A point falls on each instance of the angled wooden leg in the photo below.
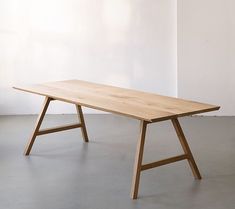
(186, 148)
(138, 160)
(37, 126)
(82, 121)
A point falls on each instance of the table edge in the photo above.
(213, 108)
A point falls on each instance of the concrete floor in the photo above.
(65, 173)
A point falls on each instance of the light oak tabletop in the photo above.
(136, 104)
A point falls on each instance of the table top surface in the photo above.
(136, 104)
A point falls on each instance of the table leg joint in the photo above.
(186, 148)
(37, 126)
(58, 128)
(164, 162)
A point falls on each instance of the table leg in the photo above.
(186, 148)
(37, 126)
(138, 160)
(82, 121)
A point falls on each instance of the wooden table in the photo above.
(146, 107)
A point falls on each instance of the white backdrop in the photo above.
(206, 52)
(128, 43)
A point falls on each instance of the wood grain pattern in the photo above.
(146, 107)
(140, 105)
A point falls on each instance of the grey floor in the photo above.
(65, 173)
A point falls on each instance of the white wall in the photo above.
(129, 43)
(206, 52)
